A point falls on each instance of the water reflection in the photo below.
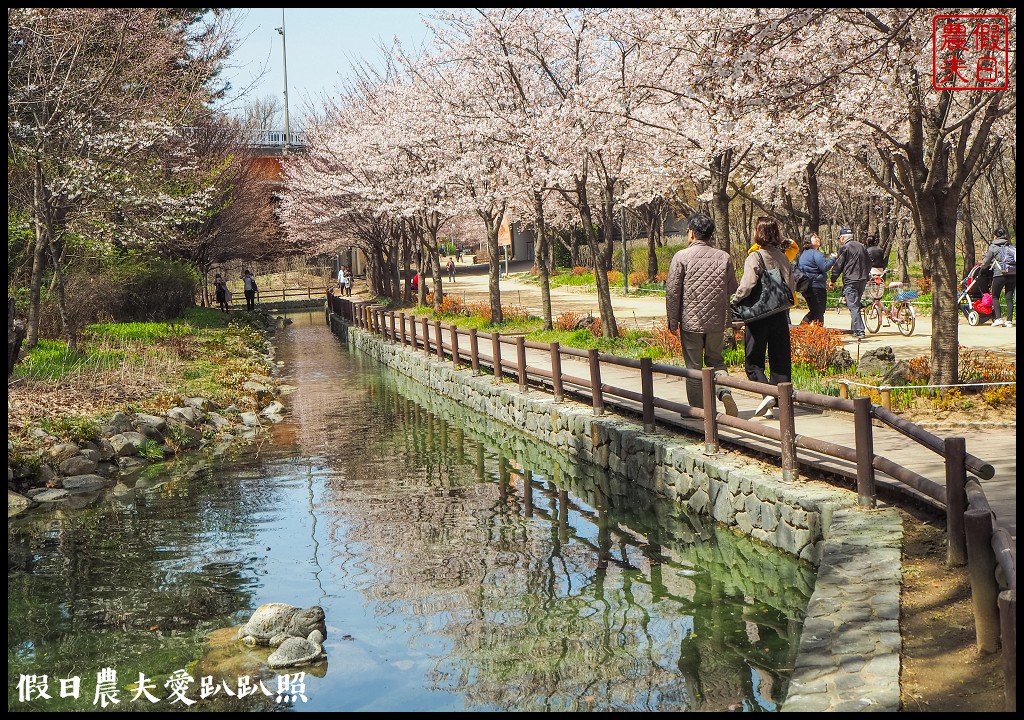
(469, 566)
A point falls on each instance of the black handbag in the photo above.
(770, 296)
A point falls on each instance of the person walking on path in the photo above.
(249, 288)
(877, 260)
(700, 280)
(346, 288)
(814, 265)
(770, 335)
(220, 292)
(451, 269)
(1001, 257)
(852, 263)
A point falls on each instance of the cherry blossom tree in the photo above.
(95, 95)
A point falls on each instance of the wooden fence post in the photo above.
(474, 352)
(1008, 620)
(595, 381)
(412, 333)
(496, 354)
(981, 569)
(401, 328)
(556, 371)
(454, 331)
(787, 429)
(647, 393)
(440, 340)
(521, 361)
(426, 336)
(707, 382)
(865, 452)
(393, 337)
(955, 450)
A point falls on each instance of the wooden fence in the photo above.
(974, 539)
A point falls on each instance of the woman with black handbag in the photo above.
(762, 300)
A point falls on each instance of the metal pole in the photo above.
(284, 55)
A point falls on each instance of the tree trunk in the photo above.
(601, 256)
(70, 331)
(812, 198)
(493, 225)
(542, 258)
(15, 336)
(938, 246)
(720, 198)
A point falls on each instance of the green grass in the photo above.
(139, 332)
(53, 359)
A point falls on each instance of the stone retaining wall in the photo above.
(849, 649)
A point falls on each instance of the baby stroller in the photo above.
(974, 289)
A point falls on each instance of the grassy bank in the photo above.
(134, 367)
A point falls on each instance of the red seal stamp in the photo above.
(970, 52)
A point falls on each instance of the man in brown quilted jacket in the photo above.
(701, 278)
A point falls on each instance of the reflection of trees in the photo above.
(117, 584)
(554, 588)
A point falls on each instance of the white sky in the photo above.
(322, 45)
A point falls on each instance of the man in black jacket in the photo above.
(853, 264)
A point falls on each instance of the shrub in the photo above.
(452, 305)
(924, 285)
(815, 344)
(614, 277)
(579, 270)
(133, 290)
(569, 320)
(665, 340)
(661, 277)
(480, 308)
(514, 313)
(72, 429)
(637, 278)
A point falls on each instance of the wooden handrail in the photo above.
(969, 524)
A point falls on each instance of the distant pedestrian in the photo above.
(770, 335)
(815, 266)
(220, 292)
(1001, 258)
(450, 267)
(876, 256)
(700, 279)
(249, 288)
(852, 263)
(346, 287)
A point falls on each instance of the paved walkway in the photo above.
(996, 445)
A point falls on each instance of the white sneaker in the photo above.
(730, 404)
(997, 323)
(1008, 323)
(769, 415)
(765, 407)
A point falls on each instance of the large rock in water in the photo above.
(274, 623)
(295, 651)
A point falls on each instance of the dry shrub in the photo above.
(570, 320)
(637, 278)
(661, 277)
(595, 328)
(614, 277)
(514, 313)
(665, 340)
(924, 285)
(815, 344)
(975, 367)
(480, 308)
(452, 305)
(578, 270)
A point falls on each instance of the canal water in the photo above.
(461, 566)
